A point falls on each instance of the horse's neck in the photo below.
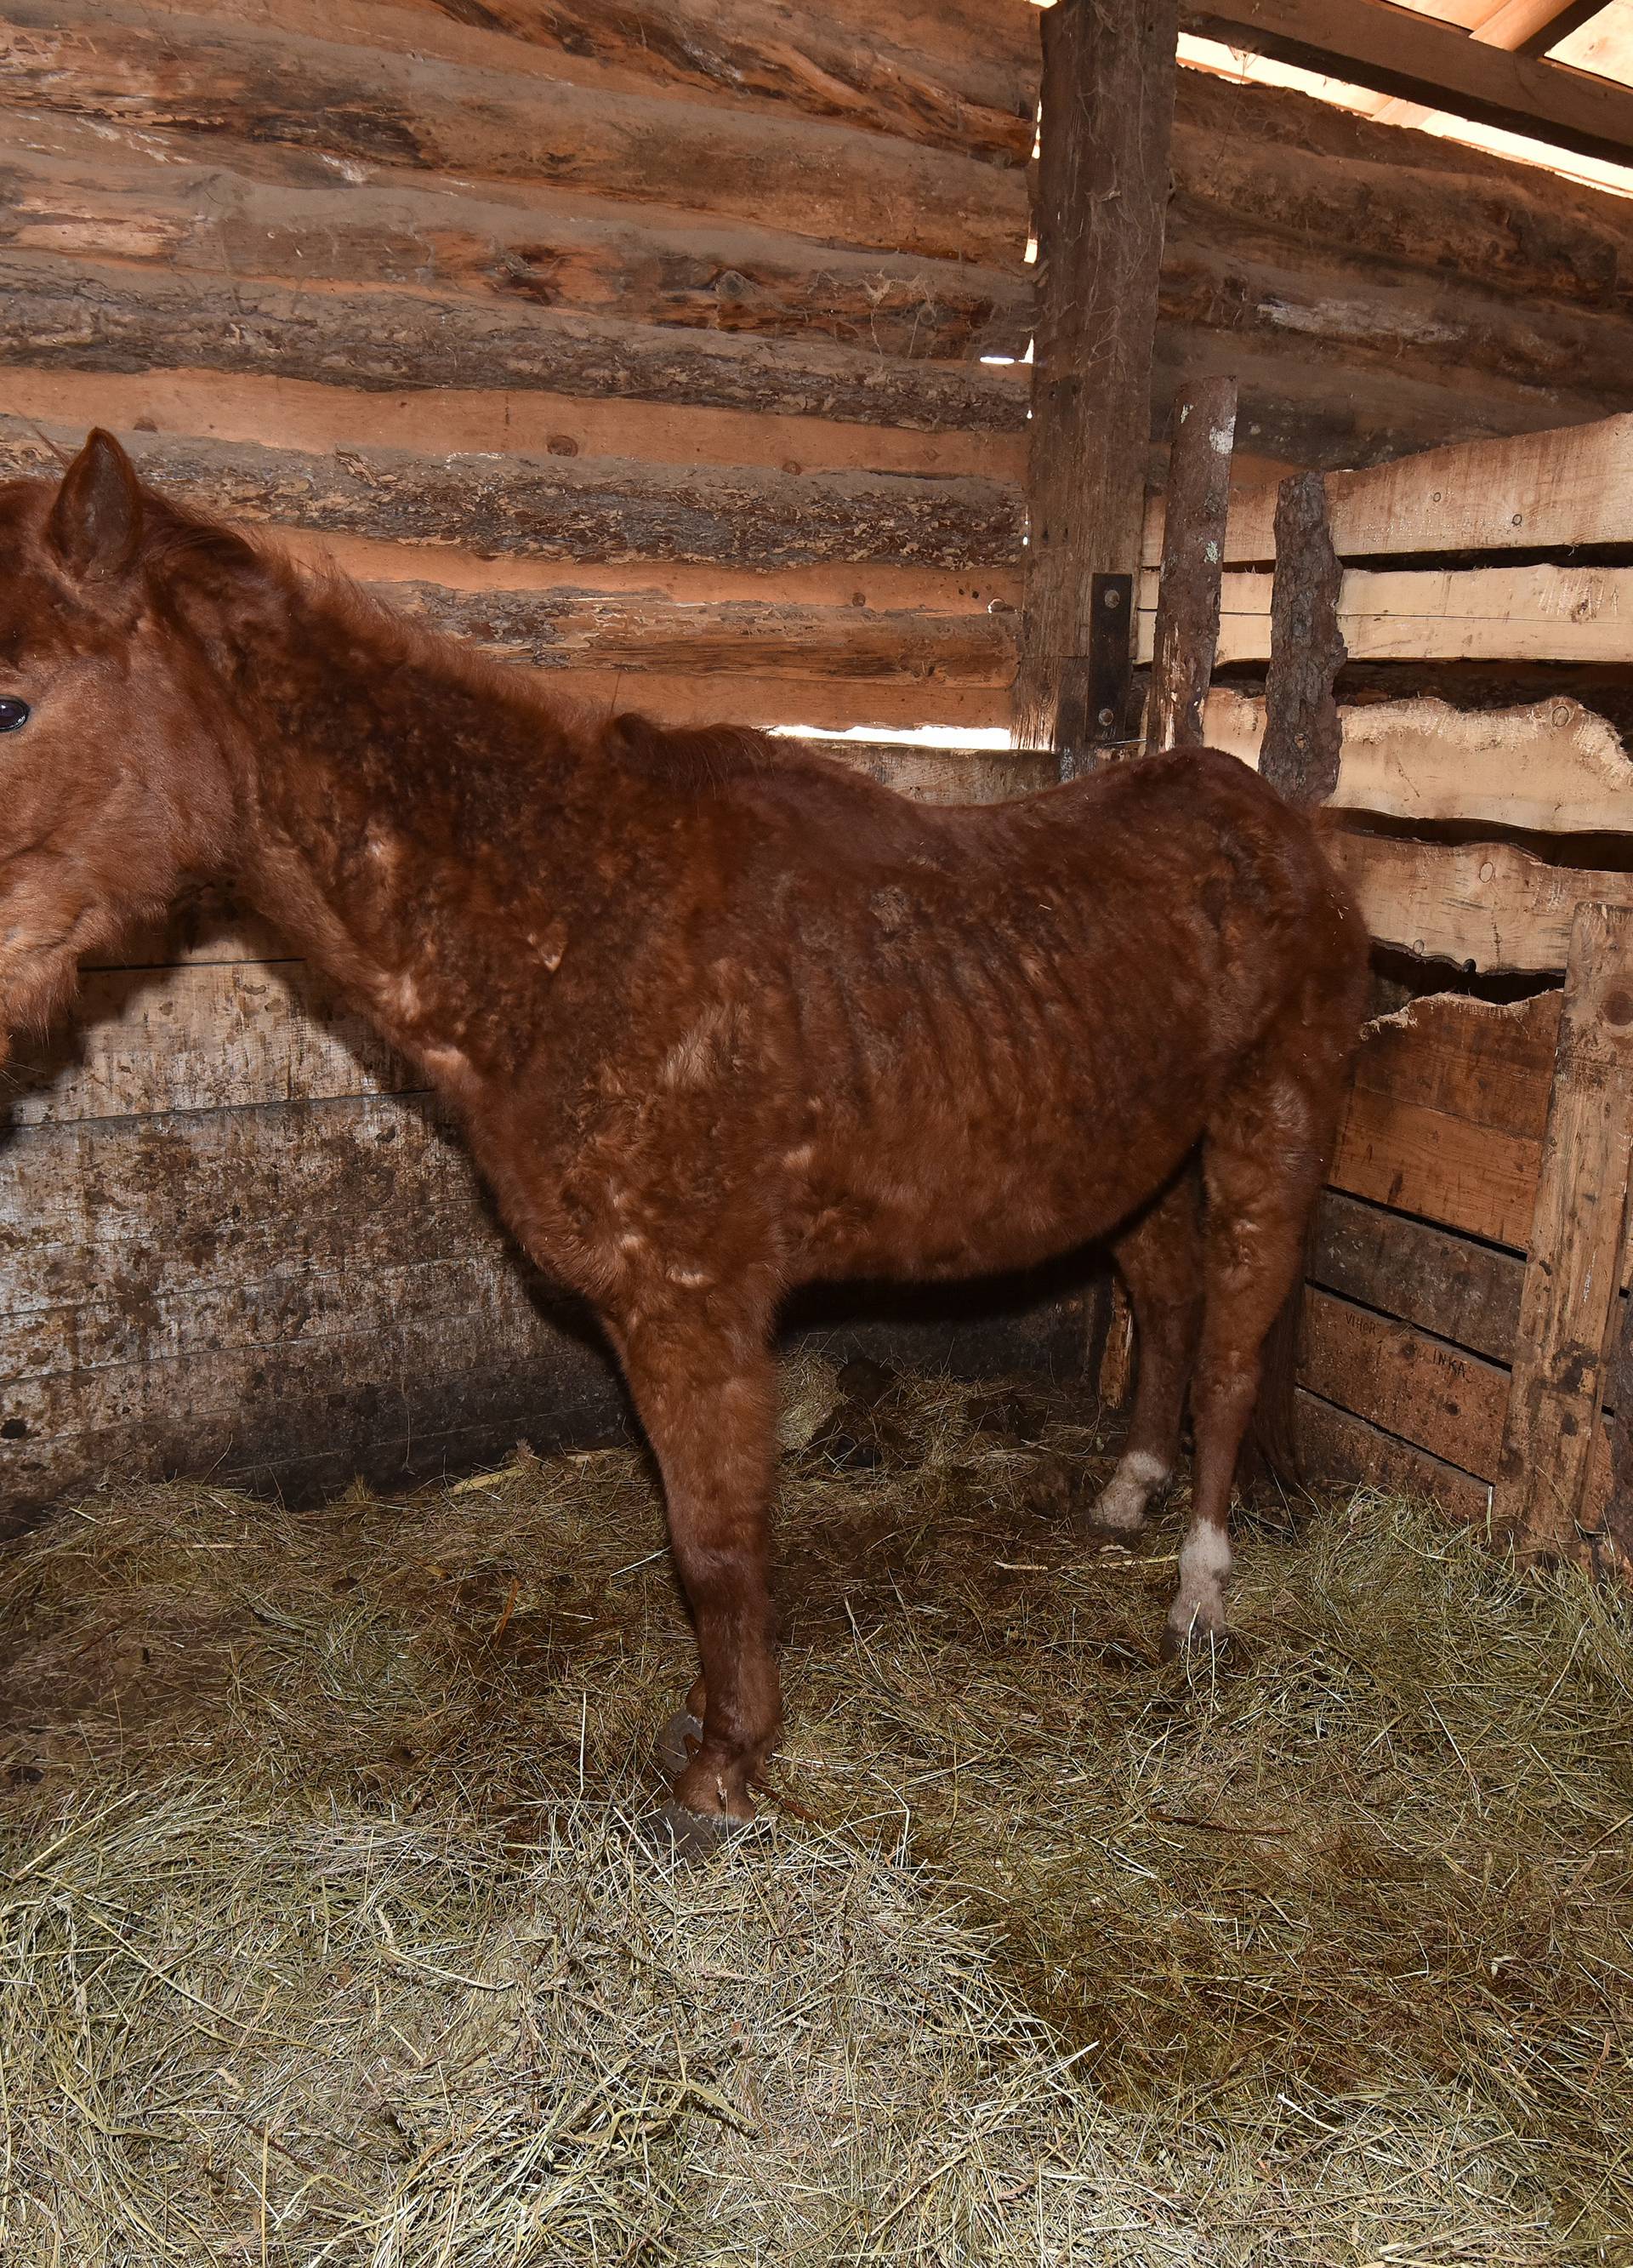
(382, 771)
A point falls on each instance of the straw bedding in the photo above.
(324, 1935)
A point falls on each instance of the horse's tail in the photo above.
(1271, 1452)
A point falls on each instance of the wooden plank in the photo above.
(1443, 1284)
(202, 1037)
(1476, 614)
(1491, 1063)
(1196, 504)
(121, 59)
(1107, 109)
(1577, 1244)
(1299, 755)
(1608, 1503)
(1339, 1447)
(1548, 767)
(171, 208)
(82, 315)
(1402, 53)
(1485, 905)
(1528, 491)
(571, 508)
(1437, 1398)
(1424, 1161)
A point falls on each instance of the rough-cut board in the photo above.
(1486, 904)
(1446, 1284)
(1446, 1116)
(1337, 1446)
(119, 59)
(1475, 613)
(160, 1275)
(202, 1037)
(1576, 1243)
(600, 509)
(1551, 767)
(86, 316)
(1437, 1398)
(1533, 492)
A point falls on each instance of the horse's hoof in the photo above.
(672, 1752)
(1219, 1646)
(679, 1838)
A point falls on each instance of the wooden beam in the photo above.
(1527, 491)
(1197, 504)
(1531, 27)
(1578, 1234)
(1301, 734)
(1485, 905)
(1400, 52)
(1108, 114)
(1616, 1530)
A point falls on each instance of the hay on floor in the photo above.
(325, 1937)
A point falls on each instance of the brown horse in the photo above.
(717, 1020)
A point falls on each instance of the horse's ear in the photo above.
(95, 526)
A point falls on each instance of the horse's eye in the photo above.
(13, 713)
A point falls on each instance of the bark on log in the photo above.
(1302, 736)
(579, 509)
(1187, 613)
(57, 316)
(574, 629)
(114, 59)
(79, 200)
(963, 77)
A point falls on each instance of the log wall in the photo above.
(638, 341)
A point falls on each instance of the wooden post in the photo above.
(1302, 734)
(1573, 1271)
(1195, 505)
(1110, 72)
(1613, 1546)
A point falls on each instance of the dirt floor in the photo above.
(325, 1936)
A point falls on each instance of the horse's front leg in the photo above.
(705, 1392)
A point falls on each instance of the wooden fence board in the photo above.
(1577, 1244)
(1337, 1446)
(1424, 1161)
(1436, 1396)
(1421, 1273)
(1548, 767)
(1489, 905)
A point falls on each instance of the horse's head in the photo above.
(113, 790)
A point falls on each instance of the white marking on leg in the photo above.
(1122, 1503)
(1205, 1565)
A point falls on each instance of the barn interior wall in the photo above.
(671, 349)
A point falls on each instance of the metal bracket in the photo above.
(1094, 708)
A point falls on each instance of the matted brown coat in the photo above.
(717, 1021)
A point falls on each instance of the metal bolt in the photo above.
(1105, 720)
(1114, 598)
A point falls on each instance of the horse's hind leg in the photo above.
(707, 1398)
(1159, 1259)
(1263, 1160)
